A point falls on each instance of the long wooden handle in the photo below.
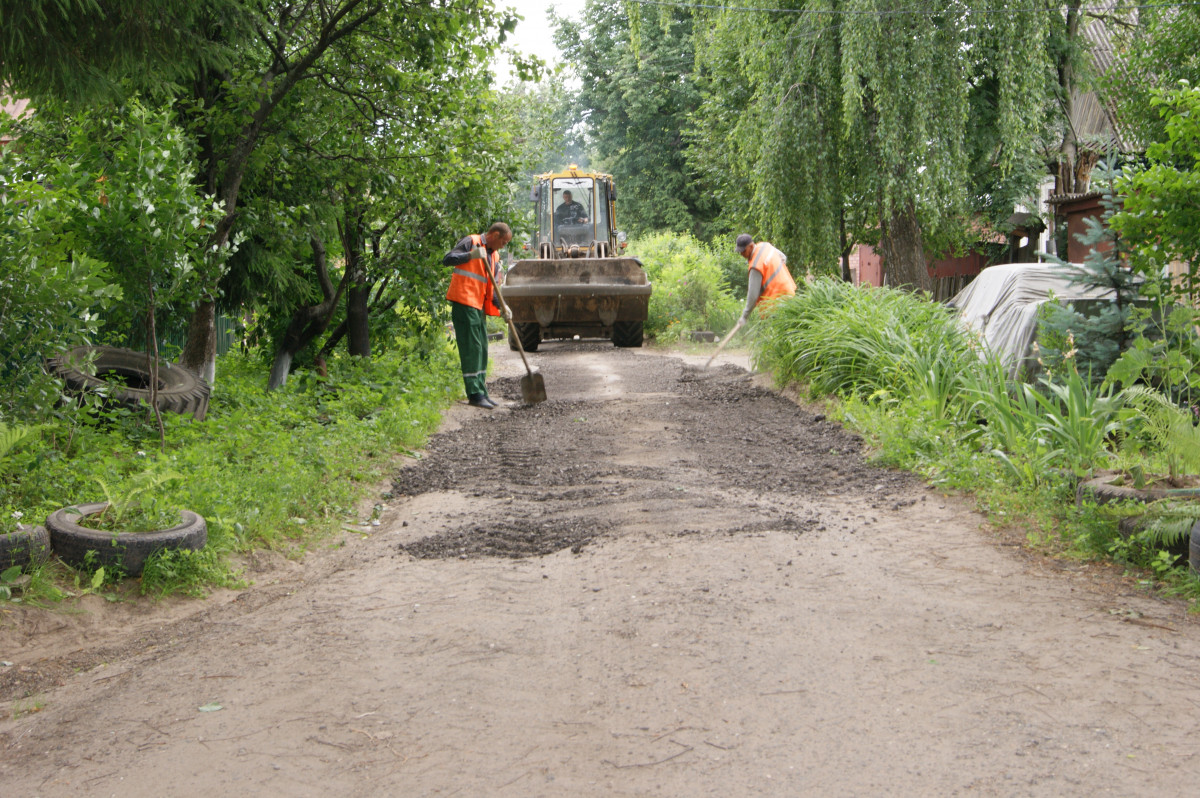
(721, 345)
(504, 307)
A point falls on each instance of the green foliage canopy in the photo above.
(636, 95)
(842, 117)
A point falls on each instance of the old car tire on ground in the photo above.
(127, 551)
(627, 334)
(1194, 549)
(1134, 525)
(1102, 491)
(531, 336)
(27, 545)
(179, 391)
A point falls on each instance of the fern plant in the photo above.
(134, 506)
(1170, 429)
(1167, 523)
(13, 437)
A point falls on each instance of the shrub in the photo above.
(690, 291)
(266, 470)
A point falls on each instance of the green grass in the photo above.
(896, 367)
(271, 470)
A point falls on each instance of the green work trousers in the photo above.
(470, 331)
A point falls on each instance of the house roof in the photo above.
(1096, 123)
(1058, 199)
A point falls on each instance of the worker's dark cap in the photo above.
(743, 241)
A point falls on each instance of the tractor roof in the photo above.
(572, 171)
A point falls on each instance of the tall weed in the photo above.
(689, 286)
(265, 469)
(898, 368)
(842, 340)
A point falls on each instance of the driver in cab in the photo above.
(570, 212)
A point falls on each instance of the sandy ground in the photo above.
(660, 582)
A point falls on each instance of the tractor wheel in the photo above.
(627, 334)
(179, 390)
(531, 336)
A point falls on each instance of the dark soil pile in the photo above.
(716, 445)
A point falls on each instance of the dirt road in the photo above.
(652, 585)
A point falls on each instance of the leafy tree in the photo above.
(637, 91)
(1161, 212)
(52, 292)
(1160, 50)
(549, 133)
(350, 202)
(81, 50)
(869, 120)
(234, 110)
(142, 213)
(128, 178)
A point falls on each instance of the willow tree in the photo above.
(858, 120)
(637, 93)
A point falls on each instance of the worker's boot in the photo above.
(480, 400)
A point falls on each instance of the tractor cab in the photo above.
(575, 215)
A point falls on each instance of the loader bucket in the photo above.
(588, 297)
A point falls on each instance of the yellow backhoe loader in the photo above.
(579, 282)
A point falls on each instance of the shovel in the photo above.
(533, 387)
(721, 345)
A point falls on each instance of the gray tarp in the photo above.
(1001, 305)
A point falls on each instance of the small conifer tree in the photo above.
(1089, 337)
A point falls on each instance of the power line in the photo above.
(898, 12)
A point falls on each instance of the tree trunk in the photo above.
(357, 318)
(308, 322)
(358, 295)
(846, 276)
(1066, 177)
(904, 251)
(339, 332)
(277, 80)
(200, 352)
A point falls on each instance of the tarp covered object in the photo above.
(1001, 304)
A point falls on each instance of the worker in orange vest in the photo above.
(769, 275)
(471, 301)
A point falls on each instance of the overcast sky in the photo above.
(533, 34)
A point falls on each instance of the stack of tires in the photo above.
(122, 377)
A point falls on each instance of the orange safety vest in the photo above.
(776, 279)
(469, 284)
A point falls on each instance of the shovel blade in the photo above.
(533, 389)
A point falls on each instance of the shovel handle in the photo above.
(508, 317)
(721, 345)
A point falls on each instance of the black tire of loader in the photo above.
(627, 334)
(27, 545)
(180, 391)
(531, 336)
(127, 551)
